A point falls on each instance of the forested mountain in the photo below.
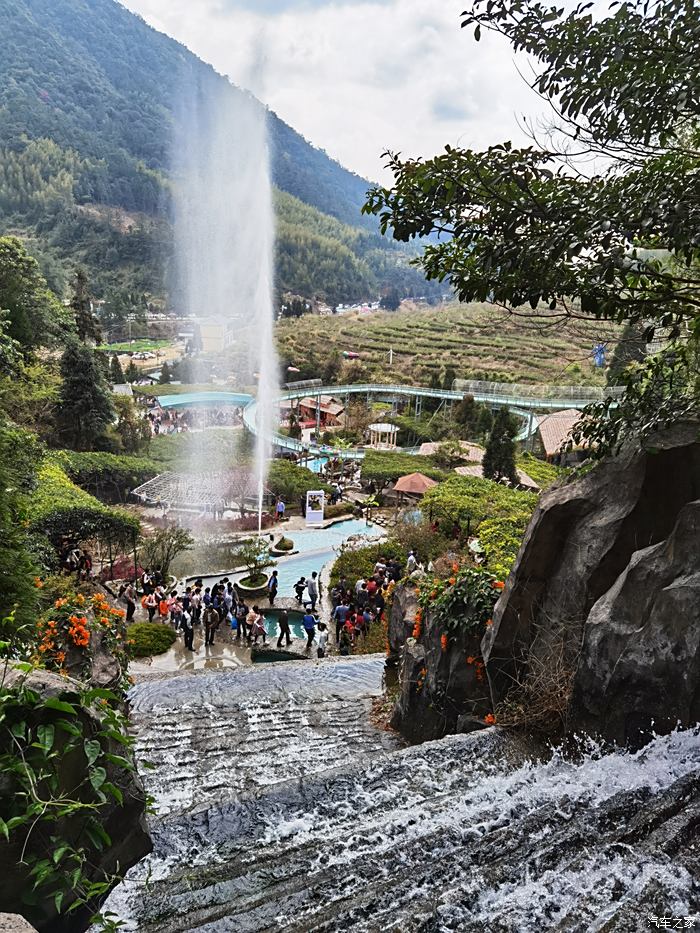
(88, 93)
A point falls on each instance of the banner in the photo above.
(314, 507)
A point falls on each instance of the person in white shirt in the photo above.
(322, 640)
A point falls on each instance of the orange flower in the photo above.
(443, 642)
(419, 615)
(498, 584)
(80, 599)
(60, 602)
(455, 567)
(417, 630)
(37, 583)
(60, 656)
(433, 594)
(490, 719)
(489, 623)
(452, 581)
(471, 659)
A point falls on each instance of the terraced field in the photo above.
(478, 340)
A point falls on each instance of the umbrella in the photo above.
(415, 484)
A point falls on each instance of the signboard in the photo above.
(314, 507)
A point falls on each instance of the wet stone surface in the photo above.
(282, 809)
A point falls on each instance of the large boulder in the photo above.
(402, 617)
(640, 659)
(124, 824)
(582, 544)
(443, 689)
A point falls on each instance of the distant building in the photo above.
(331, 411)
(215, 335)
(525, 482)
(554, 431)
(473, 452)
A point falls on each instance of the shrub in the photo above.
(382, 467)
(59, 508)
(149, 638)
(340, 508)
(543, 473)
(500, 539)
(355, 562)
(471, 499)
(291, 481)
(107, 476)
(284, 544)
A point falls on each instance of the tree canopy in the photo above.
(538, 225)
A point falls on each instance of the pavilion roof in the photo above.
(416, 484)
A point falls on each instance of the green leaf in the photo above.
(58, 900)
(93, 750)
(60, 705)
(477, 32)
(97, 777)
(4, 829)
(46, 734)
(114, 791)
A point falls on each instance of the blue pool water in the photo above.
(317, 546)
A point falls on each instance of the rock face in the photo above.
(401, 619)
(608, 579)
(441, 694)
(124, 824)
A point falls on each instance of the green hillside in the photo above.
(88, 93)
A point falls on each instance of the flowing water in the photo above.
(282, 808)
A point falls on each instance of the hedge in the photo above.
(149, 638)
(291, 481)
(463, 499)
(353, 563)
(107, 476)
(384, 467)
(58, 507)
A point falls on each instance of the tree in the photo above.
(533, 226)
(449, 454)
(116, 373)
(134, 430)
(34, 316)
(85, 408)
(333, 366)
(391, 299)
(132, 372)
(87, 325)
(164, 378)
(254, 554)
(449, 376)
(158, 551)
(499, 458)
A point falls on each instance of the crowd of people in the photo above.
(355, 608)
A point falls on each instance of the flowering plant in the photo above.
(463, 601)
(66, 633)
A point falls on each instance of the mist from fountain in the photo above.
(224, 240)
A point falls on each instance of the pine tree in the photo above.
(86, 323)
(499, 458)
(116, 373)
(165, 376)
(132, 372)
(85, 408)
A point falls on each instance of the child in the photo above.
(299, 588)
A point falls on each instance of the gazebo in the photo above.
(415, 484)
(382, 435)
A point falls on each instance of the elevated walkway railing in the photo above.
(523, 400)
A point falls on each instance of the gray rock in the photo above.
(581, 541)
(440, 693)
(13, 923)
(401, 618)
(640, 658)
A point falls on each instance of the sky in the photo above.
(359, 77)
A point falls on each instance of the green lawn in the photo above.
(142, 345)
(180, 389)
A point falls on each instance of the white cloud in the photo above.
(356, 77)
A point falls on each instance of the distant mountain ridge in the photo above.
(87, 97)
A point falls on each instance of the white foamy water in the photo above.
(343, 830)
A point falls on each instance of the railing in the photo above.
(522, 399)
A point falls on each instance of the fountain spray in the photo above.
(224, 238)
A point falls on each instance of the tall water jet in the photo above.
(224, 239)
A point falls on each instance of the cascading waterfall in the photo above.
(224, 238)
